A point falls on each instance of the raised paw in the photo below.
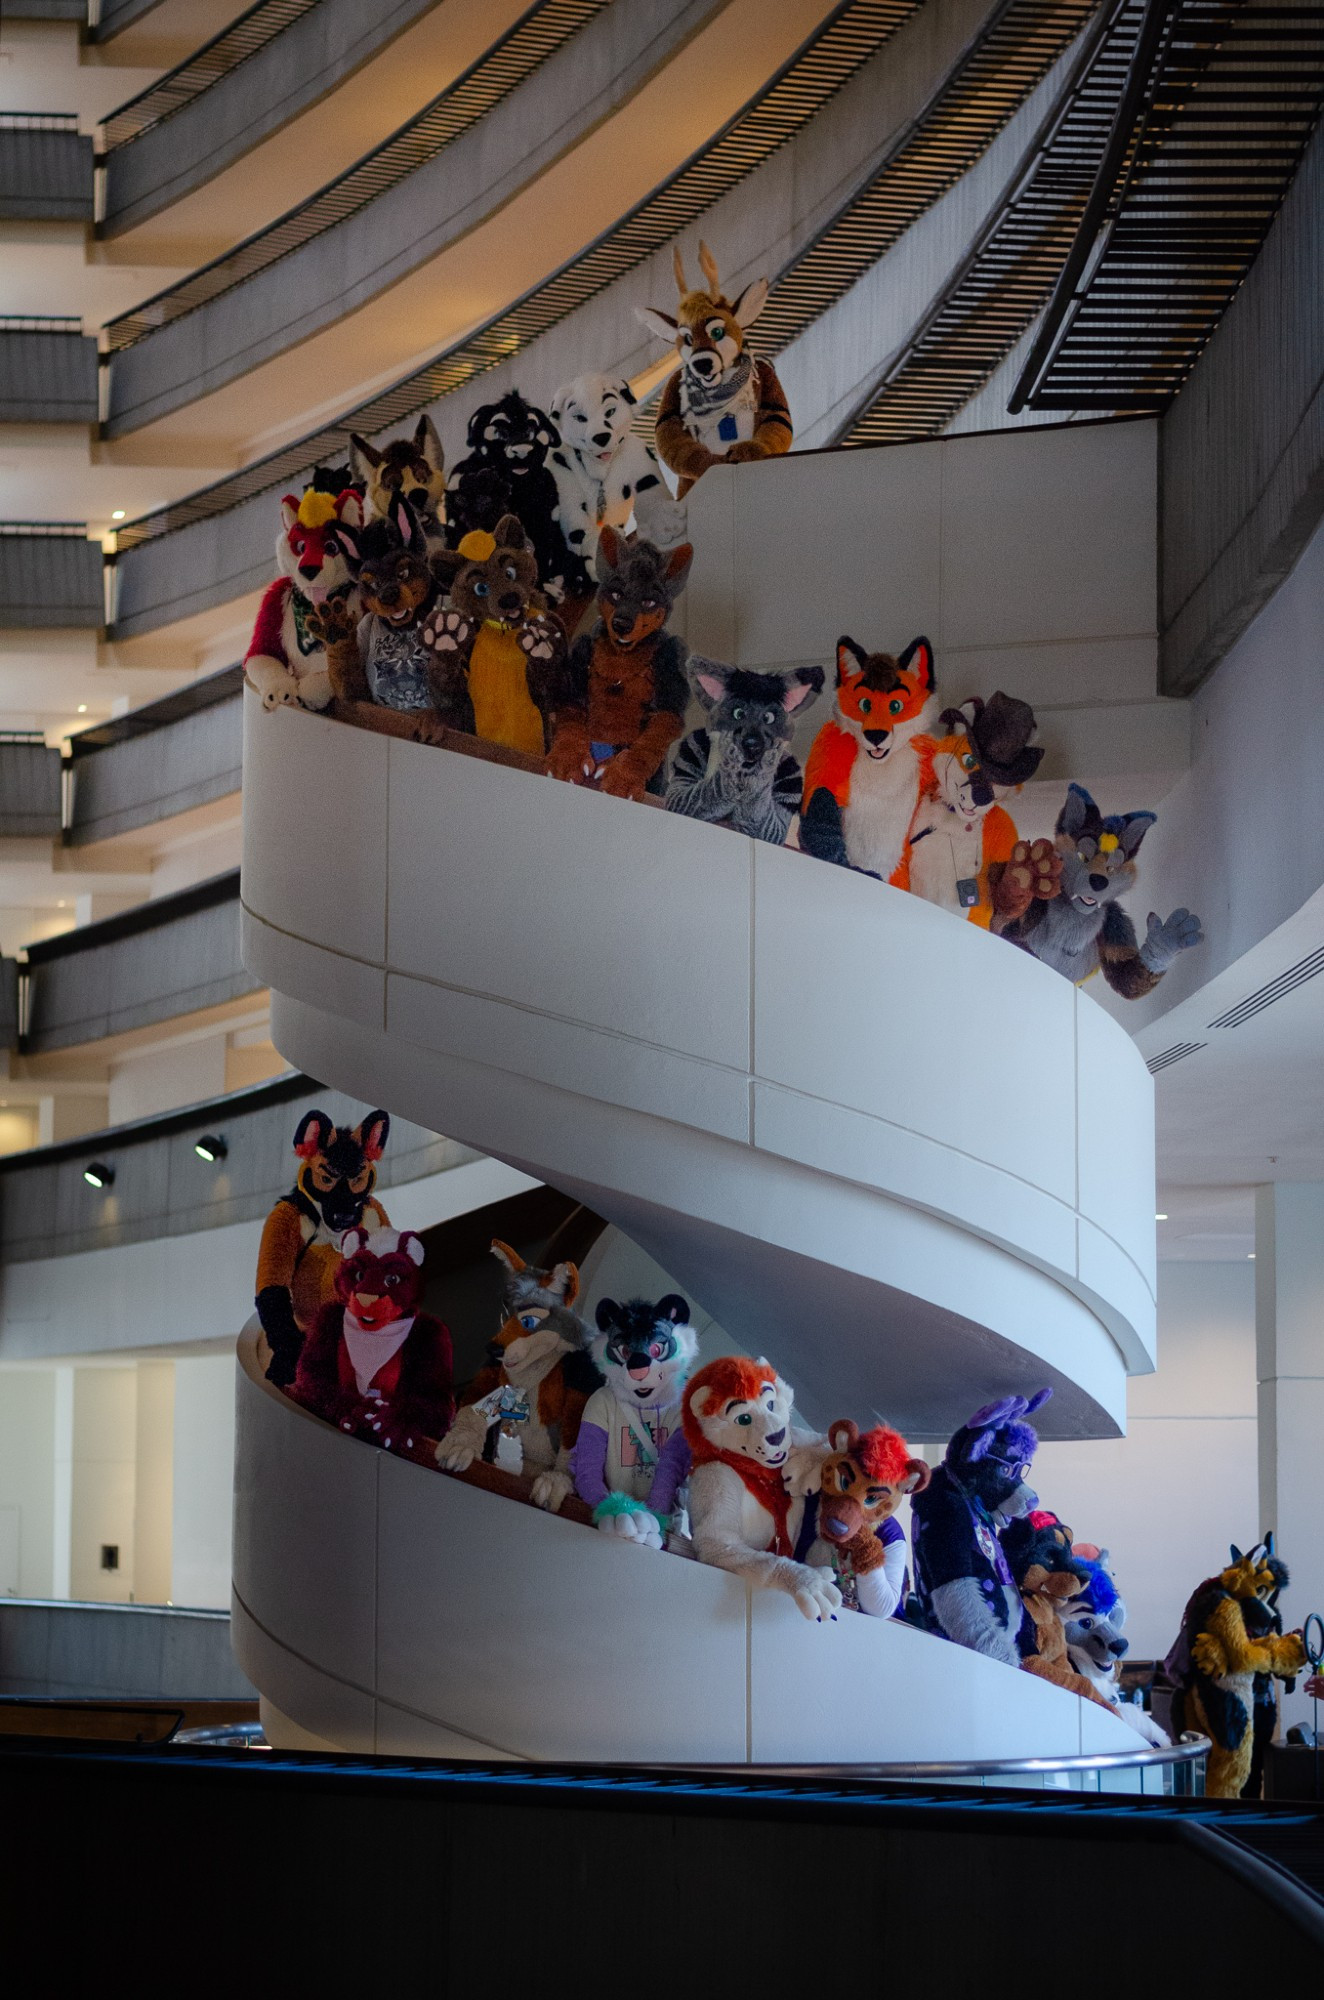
(1163, 941)
(447, 631)
(816, 1595)
(330, 621)
(540, 638)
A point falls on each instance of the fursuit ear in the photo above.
(478, 423)
(609, 552)
(678, 564)
(289, 512)
(625, 392)
(660, 323)
(509, 532)
(844, 1436)
(347, 533)
(446, 565)
(805, 685)
(709, 677)
(1036, 1402)
(313, 1134)
(918, 1475)
(564, 1280)
(1236, 1553)
(412, 1245)
(699, 1399)
(917, 660)
(373, 1134)
(364, 458)
(750, 303)
(851, 659)
(607, 1314)
(1134, 829)
(1077, 811)
(673, 1308)
(353, 1239)
(428, 443)
(349, 508)
(512, 1260)
(405, 522)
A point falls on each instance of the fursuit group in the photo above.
(618, 1427)
(524, 600)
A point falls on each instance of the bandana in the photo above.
(369, 1350)
(765, 1483)
(702, 401)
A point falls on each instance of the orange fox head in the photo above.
(881, 700)
(951, 774)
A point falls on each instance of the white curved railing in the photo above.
(383, 1607)
(903, 1159)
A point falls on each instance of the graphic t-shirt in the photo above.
(636, 1440)
(396, 664)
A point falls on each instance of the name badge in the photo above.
(728, 430)
(967, 892)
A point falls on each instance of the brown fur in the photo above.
(1043, 1593)
(859, 1488)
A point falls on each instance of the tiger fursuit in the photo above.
(736, 1415)
(862, 780)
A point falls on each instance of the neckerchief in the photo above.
(701, 401)
(765, 1483)
(370, 1348)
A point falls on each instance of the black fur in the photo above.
(493, 481)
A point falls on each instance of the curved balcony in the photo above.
(864, 130)
(540, 92)
(177, 755)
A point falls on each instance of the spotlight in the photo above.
(210, 1147)
(1160, 1218)
(97, 1174)
(82, 708)
(118, 514)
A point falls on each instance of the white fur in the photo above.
(947, 836)
(598, 484)
(884, 792)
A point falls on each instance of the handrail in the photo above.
(220, 57)
(191, 699)
(1154, 33)
(543, 29)
(164, 1125)
(149, 916)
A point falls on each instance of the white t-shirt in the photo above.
(634, 1441)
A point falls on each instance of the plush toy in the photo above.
(1082, 929)
(721, 404)
(286, 659)
(1095, 1645)
(383, 663)
(963, 1582)
(738, 770)
(852, 1517)
(863, 776)
(605, 475)
(372, 1363)
(960, 828)
(1227, 1638)
(493, 645)
(415, 468)
(506, 472)
(524, 1409)
(300, 1248)
(737, 1418)
(632, 1459)
(621, 704)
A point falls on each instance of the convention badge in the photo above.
(728, 430)
(988, 1546)
(967, 892)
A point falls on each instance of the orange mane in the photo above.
(731, 1377)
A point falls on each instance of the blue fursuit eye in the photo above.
(529, 1321)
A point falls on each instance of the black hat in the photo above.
(1000, 731)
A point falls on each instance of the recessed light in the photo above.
(118, 515)
(211, 1148)
(1160, 1218)
(1250, 1256)
(98, 1175)
(61, 904)
(82, 708)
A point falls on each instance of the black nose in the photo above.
(704, 364)
(310, 569)
(510, 600)
(1098, 882)
(1119, 1646)
(751, 746)
(419, 497)
(876, 736)
(622, 627)
(389, 593)
(602, 437)
(981, 792)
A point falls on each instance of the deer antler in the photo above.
(677, 264)
(708, 265)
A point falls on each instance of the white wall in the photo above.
(102, 1482)
(204, 1479)
(185, 1072)
(1169, 1497)
(27, 1478)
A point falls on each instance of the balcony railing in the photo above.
(45, 168)
(165, 758)
(50, 575)
(48, 371)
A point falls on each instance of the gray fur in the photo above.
(741, 773)
(963, 1612)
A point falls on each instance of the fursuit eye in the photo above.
(866, 706)
(716, 330)
(745, 1418)
(769, 717)
(511, 572)
(685, 336)
(737, 713)
(480, 588)
(845, 1477)
(967, 763)
(872, 1499)
(614, 595)
(895, 707)
(330, 547)
(528, 1321)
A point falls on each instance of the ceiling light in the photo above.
(82, 708)
(98, 1175)
(210, 1147)
(118, 515)
(1160, 1218)
(1250, 1256)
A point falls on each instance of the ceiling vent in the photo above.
(1172, 1055)
(1264, 996)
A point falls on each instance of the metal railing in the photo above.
(535, 37)
(219, 57)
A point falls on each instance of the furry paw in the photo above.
(622, 778)
(315, 691)
(455, 1456)
(330, 621)
(272, 679)
(541, 638)
(816, 1596)
(804, 1467)
(1165, 940)
(641, 1528)
(744, 450)
(549, 1490)
(1207, 1655)
(447, 631)
(1034, 870)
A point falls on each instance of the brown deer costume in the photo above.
(721, 404)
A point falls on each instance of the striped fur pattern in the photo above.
(739, 771)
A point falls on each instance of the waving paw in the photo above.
(541, 638)
(1164, 941)
(447, 631)
(1033, 871)
(331, 621)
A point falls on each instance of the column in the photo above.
(1289, 1347)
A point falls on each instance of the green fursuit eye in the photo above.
(746, 1419)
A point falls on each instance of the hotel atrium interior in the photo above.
(661, 1044)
